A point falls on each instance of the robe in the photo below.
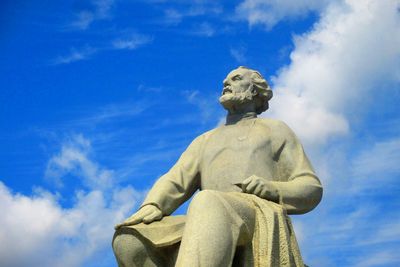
(227, 155)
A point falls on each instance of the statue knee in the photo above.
(126, 246)
(205, 201)
(132, 250)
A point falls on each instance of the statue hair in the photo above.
(264, 92)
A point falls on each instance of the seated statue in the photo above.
(251, 174)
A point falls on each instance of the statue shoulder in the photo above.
(273, 123)
(278, 128)
(199, 140)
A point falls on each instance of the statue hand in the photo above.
(261, 188)
(146, 214)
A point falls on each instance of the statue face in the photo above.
(237, 89)
(237, 81)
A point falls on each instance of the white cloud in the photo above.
(336, 68)
(132, 42)
(74, 158)
(312, 122)
(37, 231)
(24, 225)
(75, 55)
(270, 12)
(99, 9)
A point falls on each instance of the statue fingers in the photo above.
(248, 180)
(130, 221)
(135, 218)
(250, 187)
(258, 190)
(155, 216)
(116, 227)
(251, 179)
(246, 183)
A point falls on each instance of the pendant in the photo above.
(242, 138)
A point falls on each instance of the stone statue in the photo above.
(251, 172)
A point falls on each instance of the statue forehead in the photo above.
(241, 71)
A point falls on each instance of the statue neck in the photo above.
(235, 118)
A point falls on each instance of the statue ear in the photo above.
(253, 89)
(269, 93)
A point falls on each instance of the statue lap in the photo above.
(208, 215)
(131, 249)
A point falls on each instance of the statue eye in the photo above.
(236, 78)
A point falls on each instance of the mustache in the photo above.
(236, 97)
(227, 90)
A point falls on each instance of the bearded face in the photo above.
(238, 89)
(230, 100)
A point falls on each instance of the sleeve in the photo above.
(180, 182)
(298, 187)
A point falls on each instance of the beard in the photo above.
(231, 101)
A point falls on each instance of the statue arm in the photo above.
(298, 187)
(179, 183)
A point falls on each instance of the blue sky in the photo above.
(100, 97)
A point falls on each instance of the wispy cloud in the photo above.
(174, 16)
(149, 89)
(97, 10)
(367, 163)
(239, 54)
(110, 113)
(83, 20)
(269, 12)
(204, 29)
(388, 231)
(132, 42)
(208, 105)
(376, 166)
(75, 55)
(383, 258)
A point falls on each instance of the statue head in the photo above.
(243, 88)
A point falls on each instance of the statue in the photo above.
(251, 172)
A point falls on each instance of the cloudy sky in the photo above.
(98, 98)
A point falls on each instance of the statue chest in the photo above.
(234, 153)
